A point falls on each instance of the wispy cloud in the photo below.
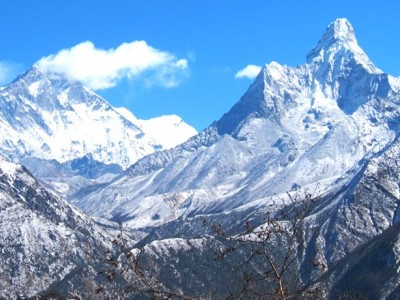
(8, 71)
(103, 68)
(250, 72)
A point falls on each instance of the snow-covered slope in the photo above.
(169, 131)
(294, 128)
(44, 240)
(45, 116)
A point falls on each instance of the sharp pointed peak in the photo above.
(340, 29)
(339, 39)
(338, 33)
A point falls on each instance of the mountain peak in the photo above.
(339, 33)
(34, 73)
(340, 29)
(338, 40)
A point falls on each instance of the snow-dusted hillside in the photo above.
(43, 115)
(44, 240)
(294, 128)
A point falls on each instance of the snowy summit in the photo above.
(339, 39)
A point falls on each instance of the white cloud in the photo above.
(250, 72)
(8, 71)
(101, 69)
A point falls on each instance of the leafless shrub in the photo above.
(272, 250)
(268, 257)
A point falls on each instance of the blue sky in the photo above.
(191, 50)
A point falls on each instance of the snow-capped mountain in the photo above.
(47, 245)
(169, 130)
(295, 127)
(329, 127)
(43, 115)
